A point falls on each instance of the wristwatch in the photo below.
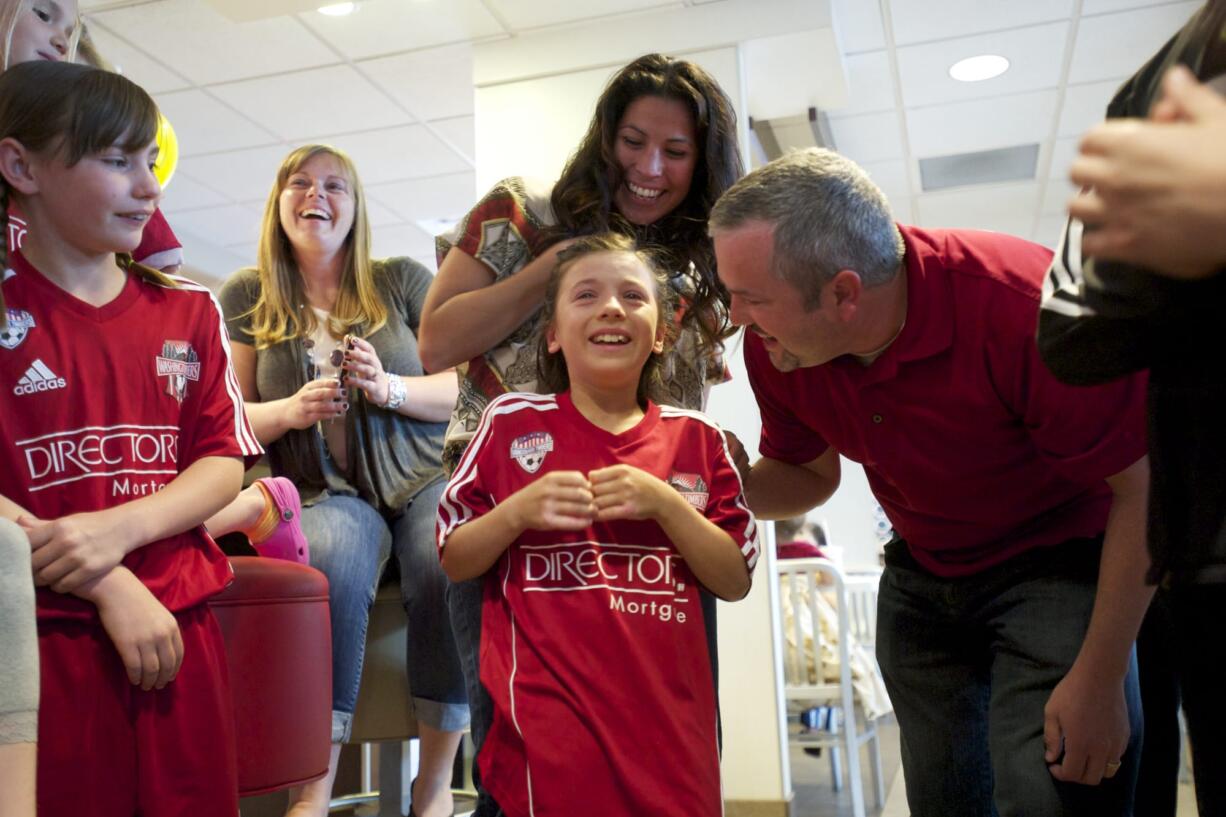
(396, 392)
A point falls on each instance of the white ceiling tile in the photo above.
(388, 26)
(204, 46)
(1085, 106)
(1034, 53)
(438, 197)
(870, 83)
(401, 239)
(204, 125)
(248, 251)
(185, 193)
(983, 124)
(1089, 7)
(460, 133)
(917, 21)
(1056, 198)
(522, 14)
(868, 138)
(380, 215)
(229, 224)
(309, 103)
(1003, 208)
(1049, 231)
(901, 208)
(243, 175)
(1115, 45)
(432, 84)
(858, 24)
(391, 154)
(133, 63)
(1062, 156)
(891, 177)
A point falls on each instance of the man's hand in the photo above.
(1085, 728)
(75, 549)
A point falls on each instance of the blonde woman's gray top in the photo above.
(391, 457)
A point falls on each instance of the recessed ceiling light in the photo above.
(338, 9)
(976, 69)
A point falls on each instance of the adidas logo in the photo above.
(38, 378)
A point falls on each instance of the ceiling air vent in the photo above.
(981, 167)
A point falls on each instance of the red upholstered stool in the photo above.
(274, 618)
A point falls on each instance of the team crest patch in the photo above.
(178, 364)
(19, 325)
(692, 489)
(530, 450)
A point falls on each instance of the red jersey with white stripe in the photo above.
(103, 405)
(593, 646)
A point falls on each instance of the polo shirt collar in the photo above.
(929, 328)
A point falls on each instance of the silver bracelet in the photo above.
(396, 392)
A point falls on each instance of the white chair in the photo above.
(810, 680)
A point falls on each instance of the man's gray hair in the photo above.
(828, 216)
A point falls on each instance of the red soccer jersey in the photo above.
(593, 645)
(102, 405)
(159, 246)
(974, 449)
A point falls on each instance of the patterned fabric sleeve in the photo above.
(501, 230)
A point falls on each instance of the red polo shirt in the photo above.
(974, 450)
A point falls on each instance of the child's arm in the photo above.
(144, 632)
(560, 500)
(626, 492)
(72, 550)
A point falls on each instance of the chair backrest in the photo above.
(817, 621)
(274, 620)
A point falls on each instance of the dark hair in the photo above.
(71, 110)
(582, 199)
(554, 376)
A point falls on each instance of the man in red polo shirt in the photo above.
(1015, 586)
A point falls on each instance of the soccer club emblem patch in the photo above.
(530, 450)
(20, 323)
(178, 364)
(692, 489)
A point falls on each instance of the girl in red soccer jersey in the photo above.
(267, 512)
(601, 512)
(123, 430)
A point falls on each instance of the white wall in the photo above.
(530, 127)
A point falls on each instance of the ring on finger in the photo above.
(1113, 766)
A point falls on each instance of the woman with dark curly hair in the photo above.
(660, 149)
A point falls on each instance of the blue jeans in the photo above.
(351, 542)
(970, 663)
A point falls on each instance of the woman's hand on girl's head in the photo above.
(73, 550)
(626, 492)
(364, 370)
(321, 399)
(559, 500)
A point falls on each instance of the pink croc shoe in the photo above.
(286, 541)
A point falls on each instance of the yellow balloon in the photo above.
(168, 151)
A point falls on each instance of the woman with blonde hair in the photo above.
(325, 349)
